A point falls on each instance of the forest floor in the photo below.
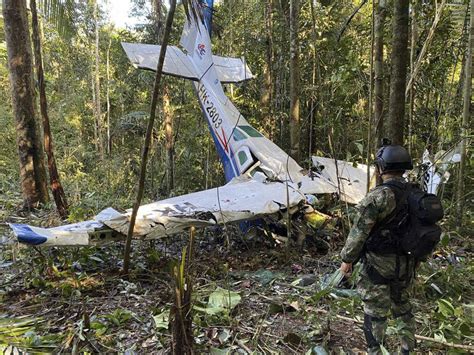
(250, 295)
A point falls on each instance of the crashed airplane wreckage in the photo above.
(261, 178)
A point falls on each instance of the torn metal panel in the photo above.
(352, 179)
(241, 199)
(435, 170)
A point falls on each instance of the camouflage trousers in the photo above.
(379, 300)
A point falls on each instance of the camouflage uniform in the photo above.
(382, 293)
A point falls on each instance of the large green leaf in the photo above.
(220, 301)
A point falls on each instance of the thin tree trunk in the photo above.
(315, 73)
(371, 95)
(146, 147)
(466, 118)
(109, 142)
(426, 44)
(349, 19)
(32, 169)
(169, 140)
(267, 95)
(399, 58)
(294, 81)
(380, 12)
(94, 108)
(56, 187)
(413, 40)
(98, 111)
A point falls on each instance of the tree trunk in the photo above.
(399, 58)
(169, 140)
(98, 111)
(56, 187)
(466, 117)
(413, 40)
(96, 139)
(380, 12)
(371, 97)
(32, 169)
(426, 44)
(315, 73)
(266, 99)
(109, 140)
(294, 81)
(149, 131)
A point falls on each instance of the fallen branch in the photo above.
(418, 337)
(426, 44)
(349, 19)
(244, 347)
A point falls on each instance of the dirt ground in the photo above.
(76, 300)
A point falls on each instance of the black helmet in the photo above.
(392, 158)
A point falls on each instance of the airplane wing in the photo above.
(231, 70)
(177, 63)
(145, 56)
(352, 179)
(241, 199)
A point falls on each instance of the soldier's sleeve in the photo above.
(376, 205)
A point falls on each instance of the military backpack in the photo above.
(411, 228)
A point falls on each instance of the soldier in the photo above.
(386, 277)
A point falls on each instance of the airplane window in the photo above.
(238, 135)
(242, 157)
(252, 132)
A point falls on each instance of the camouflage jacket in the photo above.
(376, 205)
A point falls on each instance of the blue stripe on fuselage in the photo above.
(207, 14)
(26, 235)
(230, 166)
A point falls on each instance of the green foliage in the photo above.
(18, 334)
(339, 93)
(220, 301)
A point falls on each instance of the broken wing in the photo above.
(240, 199)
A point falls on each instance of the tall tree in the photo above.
(98, 111)
(466, 116)
(267, 89)
(380, 11)
(169, 139)
(413, 41)
(315, 72)
(399, 59)
(32, 169)
(55, 183)
(107, 68)
(294, 81)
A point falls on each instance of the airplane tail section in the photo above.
(145, 56)
(197, 43)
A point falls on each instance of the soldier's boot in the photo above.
(374, 331)
(407, 332)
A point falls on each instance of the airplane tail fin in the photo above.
(197, 43)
